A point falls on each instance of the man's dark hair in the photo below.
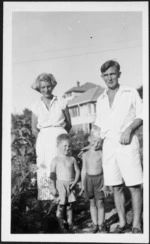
(108, 64)
(63, 137)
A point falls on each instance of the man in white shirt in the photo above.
(119, 114)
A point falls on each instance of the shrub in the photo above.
(23, 152)
(78, 141)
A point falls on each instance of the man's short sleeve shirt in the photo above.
(126, 107)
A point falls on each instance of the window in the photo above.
(74, 112)
(94, 107)
(89, 108)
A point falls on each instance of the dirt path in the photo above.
(83, 219)
(32, 216)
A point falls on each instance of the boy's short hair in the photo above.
(95, 133)
(108, 64)
(62, 137)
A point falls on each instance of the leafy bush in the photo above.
(23, 153)
(78, 141)
(23, 169)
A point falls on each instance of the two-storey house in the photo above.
(82, 105)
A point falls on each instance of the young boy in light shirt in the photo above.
(92, 183)
(64, 175)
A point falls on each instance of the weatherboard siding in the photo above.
(82, 116)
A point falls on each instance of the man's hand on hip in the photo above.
(125, 138)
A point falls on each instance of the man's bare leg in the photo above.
(120, 204)
(136, 195)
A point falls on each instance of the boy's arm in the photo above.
(77, 174)
(83, 150)
(108, 190)
(53, 176)
(83, 173)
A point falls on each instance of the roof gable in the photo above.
(83, 88)
(90, 95)
(88, 85)
(75, 89)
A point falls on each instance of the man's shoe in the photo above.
(124, 229)
(136, 231)
(94, 229)
(103, 228)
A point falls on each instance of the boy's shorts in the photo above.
(122, 163)
(93, 186)
(65, 194)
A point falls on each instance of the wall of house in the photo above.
(84, 127)
(83, 116)
(87, 109)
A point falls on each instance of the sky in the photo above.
(72, 46)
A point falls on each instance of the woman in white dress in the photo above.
(50, 118)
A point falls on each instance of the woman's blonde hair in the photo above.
(44, 77)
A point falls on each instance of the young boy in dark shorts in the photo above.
(92, 183)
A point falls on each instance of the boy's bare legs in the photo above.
(57, 211)
(70, 208)
(120, 204)
(70, 214)
(101, 216)
(136, 195)
(101, 211)
(93, 211)
(61, 212)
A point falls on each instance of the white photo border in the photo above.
(9, 8)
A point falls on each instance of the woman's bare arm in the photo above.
(67, 119)
(53, 176)
(35, 130)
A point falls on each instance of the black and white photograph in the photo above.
(75, 164)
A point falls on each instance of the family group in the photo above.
(111, 162)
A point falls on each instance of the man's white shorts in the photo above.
(121, 163)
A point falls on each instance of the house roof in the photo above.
(90, 95)
(82, 88)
